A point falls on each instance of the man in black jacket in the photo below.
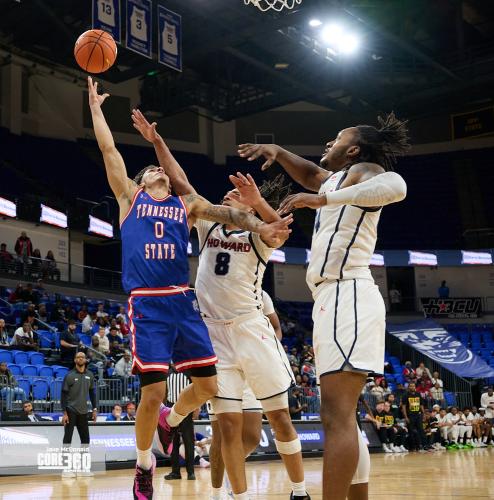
(29, 414)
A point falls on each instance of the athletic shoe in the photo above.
(403, 449)
(143, 482)
(204, 463)
(482, 445)
(173, 475)
(386, 449)
(298, 497)
(396, 449)
(165, 432)
(67, 473)
(191, 477)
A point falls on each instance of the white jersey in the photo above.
(268, 306)
(231, 268)
(106, 12)
(138, 26)
(485, 402)
(169, 39)
(343, 241)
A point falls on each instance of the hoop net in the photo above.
(276, 5)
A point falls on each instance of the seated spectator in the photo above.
(421, 369)
(295, 405)
(29, 314)
(131, 412)
(69, 313)
(113, 336)
(409, 373)
(24, 338)
(114, 323)
(298, 379)
(123, 367)
(9, 390)
(394, 407)
(83, 312)
(58, 314)
(4, 334)
(466, 427)
(399, 392)
(308, 367)
(101, 322)
(28, 294)
(29, 414)
(122, 315)
(42, 313)
(36, 263)
(50, 269)
(6, 259)
(124, 329)
(435, 379)
(381, 390)
(424, 386)
(391, 435)
(23, 250)
(97, 360)
(16, 295)
(431, 430)
(443, 425)
(69, 344)
(293, 357)
(40, 290)
(101, 313)
(437, 394)
(453, 418)
(116, 414)
(88, 322)
(116, 350)
(482, 428)
(104, 344)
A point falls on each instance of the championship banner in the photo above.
(436, 343)
(170, 38)
(468, 307)
(139, 26)
(106, 17)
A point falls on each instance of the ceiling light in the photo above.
(331, 33)
(348, 44)
(281, 65)
(314, 23)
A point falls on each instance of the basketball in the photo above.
(95, 51)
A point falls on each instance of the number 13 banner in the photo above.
(170, 38)
(139, 26)
(106, 16)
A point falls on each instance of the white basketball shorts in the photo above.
(249, 404)
(349, 327)
(249, 352)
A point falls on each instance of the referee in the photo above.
(176, 383)
(77, 385)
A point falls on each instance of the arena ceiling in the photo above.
(416, 56)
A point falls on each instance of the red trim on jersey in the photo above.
(158, 199)
(195, 363)
(157, 292)
(184, 205)
(131, 206)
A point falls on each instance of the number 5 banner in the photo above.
(170, 38)
(139, 26)
(106, 16)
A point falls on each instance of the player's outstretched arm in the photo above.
(178, 178)
(123, 188)
(200, 208)
(306, 173)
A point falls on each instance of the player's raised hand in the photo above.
(254, 151)
(276, 233)
(247, 189)
(147, 130)
(301, 200)
(94, 98)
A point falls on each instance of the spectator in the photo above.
(101, 322)
(443, 425)
(29, 314)
(453, 418)
(424, 386)
(104, 344)
(443, 291)
(4, 335)
(83, 312)
(384, 431)
(36, 263)
(395, 298)
(50, 269)
(123, 367)
(295, 405)
(435, 379)
(40, 290)
(412, 406)
(430, 429)
(124, 329)
(6, 259)
(29, 414)
(96, 358)
(16, 295)
(28, 294)
(381, 390)
(131, 413)
(113, 336)
(116, 414)
(24, 338)
(116, 350)
(487, 402)
(100, 313)
(466, 427)
(293, 357)
(409, 373)
(24, 250)
(399, 392)
(437, 394)
(121, 315)
(308, 367)
(394, 406)
(69, 344)
(421, 369)
(9, 390)
(69, 313)
(88, 322)
(42, 313)
(485, 427)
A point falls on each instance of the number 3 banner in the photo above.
(139, 26)
(106, 16)
(170, 38)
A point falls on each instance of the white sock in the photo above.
(241, 496)
(174, 418)
(216, 493)
(144, 460)
(299, 489)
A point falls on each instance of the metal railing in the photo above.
(308, 396)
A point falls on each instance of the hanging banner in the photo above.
(106, 17)
(429, 338)
(456, 308)
(139, 27)
(170, 38)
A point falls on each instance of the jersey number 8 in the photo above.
(222, 264)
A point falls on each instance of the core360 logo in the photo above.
(469, 307)
(65, 459)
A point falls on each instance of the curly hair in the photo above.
(383, 145)
(275, 190)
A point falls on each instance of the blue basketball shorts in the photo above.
(166, 326)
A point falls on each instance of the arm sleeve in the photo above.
(65, 393)
(381, 190)
(92, 398)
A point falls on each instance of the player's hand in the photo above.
(301, 200)
(254, 151)
(94, 98)
(65, 419)
(147, 130)
(248, 192)
(95, 414)
(276, 233)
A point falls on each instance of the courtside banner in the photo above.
(169, 38)
(454, 308)
(100, 227)
(139, 27)
(8, 207)
(53, 217)
(429, 338)
(106, 17)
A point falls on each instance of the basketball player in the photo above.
(228, 287)
(353, 183)
(163, 313)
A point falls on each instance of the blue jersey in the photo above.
(155, 236)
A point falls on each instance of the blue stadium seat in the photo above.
(30, 370)
(45, 339)
(56, 390)
(37, 358)
(45, 371)
(6, 356)
(61, 371)
(21, 357)
(40, 389)
(450, 398)
(85, 339)
(25, 385)
(14, 369)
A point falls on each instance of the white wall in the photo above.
(289, 283)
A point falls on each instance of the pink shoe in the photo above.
(165, 432)
(143, 482)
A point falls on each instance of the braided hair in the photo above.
(275, 190)
(383, 145)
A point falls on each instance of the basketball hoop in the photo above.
(276, 5)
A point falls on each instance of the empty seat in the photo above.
(14, 369)
(25, 385)
(40, 389)
(30, 370)
(6, 357)
(60, 371)
(56, 390)
(21, 358)
(45, 371)
(36, 358)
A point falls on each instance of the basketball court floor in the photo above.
(444, 475)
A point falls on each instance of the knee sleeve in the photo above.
(363, 467)
(288, 447)
(278, 402)
(220, 405)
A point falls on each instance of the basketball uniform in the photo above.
(169, 39)
(228, 287)
(164, 316)
(106, 12)
(138, 26)
(349, 311)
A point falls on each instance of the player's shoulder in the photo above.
(366, 168)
